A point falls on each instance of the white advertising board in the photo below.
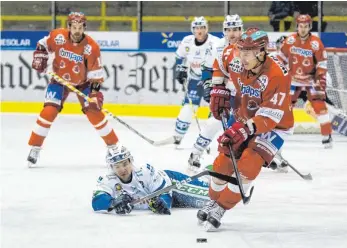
(116, 40)
(130, 77)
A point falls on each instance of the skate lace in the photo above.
(220, 212)
(209, 205)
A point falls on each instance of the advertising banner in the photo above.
(27, 40)
(130, 77)
(169, 41)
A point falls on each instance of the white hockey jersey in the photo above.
(217, 51)
(194, 56)
(145, 180)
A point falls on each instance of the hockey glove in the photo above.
(97, 98)
(234, 136)
(121, 204)
(40, 60)
(158, 205)
(220, 101)
(181, 73)
(207, 90)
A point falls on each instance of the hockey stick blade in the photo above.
(305, 177)
(187, 180)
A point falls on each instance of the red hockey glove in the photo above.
(234, 136)
(321, 83)
(40, 60)
(97, 101)
(220, 101)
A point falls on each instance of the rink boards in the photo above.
(136, 84)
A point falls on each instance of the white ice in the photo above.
(50, 206)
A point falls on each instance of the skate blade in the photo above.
(30, 164)
(201, 222)
(208, 227)
(328, 146)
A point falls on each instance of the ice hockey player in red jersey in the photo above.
(307, 60)
(77, 60)
(264, 117)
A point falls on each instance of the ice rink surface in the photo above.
(50, 206)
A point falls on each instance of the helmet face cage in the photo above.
(77, 17)
(118, 156)
(232, 21)
(199, 22)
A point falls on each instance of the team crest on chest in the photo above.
(263, 81)
(87, 49)
(60, 40)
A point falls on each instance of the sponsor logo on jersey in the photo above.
(169, 42)
(306, 62)
(291, 40)
(60, 39)
(62, 64)
(263, 81)
(315, 45)
(300, 51)
(87, 49)
(195, 65)
(249, 90)
(70, 55)
(252, 105)
(235, 65)
(67, 77)
(76, 69)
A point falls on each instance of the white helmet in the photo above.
(117, 155)
(232, 21)
(199, 22)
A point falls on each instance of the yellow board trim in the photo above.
(127, 110)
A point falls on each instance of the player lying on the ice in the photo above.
(126, 182)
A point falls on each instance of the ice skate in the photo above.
(213, 218)
(327, 142)
(202, 213)
(33, 156)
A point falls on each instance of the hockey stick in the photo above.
(73, 89)
(245, 198)
(185, 88)
(185, 181)
(305, 177)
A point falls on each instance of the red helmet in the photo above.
(77, 17)
(253, 38)
(303, 19)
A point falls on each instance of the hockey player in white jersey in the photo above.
(126, 182)
(191, 53)
(232, 30)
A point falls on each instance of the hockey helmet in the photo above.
(303, 19)
(199, 22)
(77, 17)
(253, 38)
(232, 21)
(117, 155)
